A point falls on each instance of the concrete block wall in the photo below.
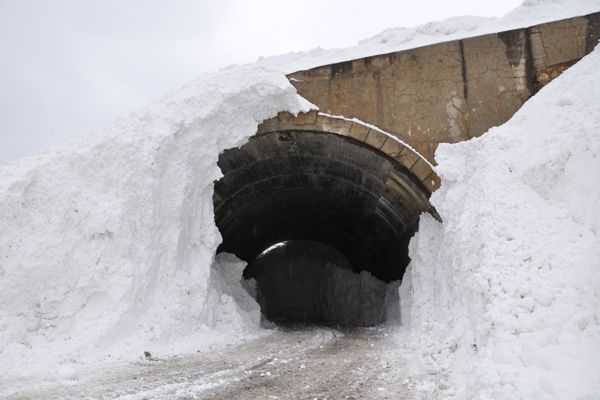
(452, 91)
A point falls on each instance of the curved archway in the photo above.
(367, 134)
(325, 179)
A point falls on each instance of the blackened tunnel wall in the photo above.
(300, 185)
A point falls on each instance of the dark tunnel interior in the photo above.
(326, 200)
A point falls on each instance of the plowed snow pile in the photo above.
(106, 246)
(505, 293)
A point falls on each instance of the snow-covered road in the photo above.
(289, 363)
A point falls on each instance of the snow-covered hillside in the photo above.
(505, 293)
(106, 244)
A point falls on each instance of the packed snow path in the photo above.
(290, 363)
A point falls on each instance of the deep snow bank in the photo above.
(106, 245)
(505, 294)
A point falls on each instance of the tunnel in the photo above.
(322, 221)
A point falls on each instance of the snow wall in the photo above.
(504, 295)
(106, 245)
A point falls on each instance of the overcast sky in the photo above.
(69, 67)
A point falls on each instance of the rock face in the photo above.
(453, 91)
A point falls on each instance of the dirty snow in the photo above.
(296, 362)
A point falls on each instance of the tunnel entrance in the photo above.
(308, 281)
(338, 215)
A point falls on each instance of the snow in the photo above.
(231, 304)
(529, 13)
(107, 244)
(504, 295)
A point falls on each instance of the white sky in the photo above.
(69, 67)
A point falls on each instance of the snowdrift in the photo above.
(505, 293)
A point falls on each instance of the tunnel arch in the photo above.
(367, 134)
(328, 179)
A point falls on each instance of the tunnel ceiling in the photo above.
(318, 186)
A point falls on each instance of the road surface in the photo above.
(290, 363)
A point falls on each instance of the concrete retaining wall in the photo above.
(452, 91)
